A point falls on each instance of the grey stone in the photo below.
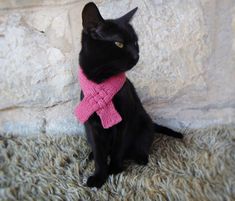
(185, 76)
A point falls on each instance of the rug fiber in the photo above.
(199, 167)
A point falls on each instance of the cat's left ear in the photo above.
(127, 17)
(91, 18)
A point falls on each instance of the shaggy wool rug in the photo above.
(199, 167)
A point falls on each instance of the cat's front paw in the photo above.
(95, 181)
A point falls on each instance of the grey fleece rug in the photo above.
(199, 167)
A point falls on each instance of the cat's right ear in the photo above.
(91, 18)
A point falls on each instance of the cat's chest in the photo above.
(123, 101)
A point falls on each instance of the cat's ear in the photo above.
(91, 17)
(127, 17)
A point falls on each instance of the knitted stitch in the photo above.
(98, 98)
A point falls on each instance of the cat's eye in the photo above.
(119, 44)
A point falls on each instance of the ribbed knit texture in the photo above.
(98, 98)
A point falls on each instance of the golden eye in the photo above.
(119, 44)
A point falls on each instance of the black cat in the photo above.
(110, 47)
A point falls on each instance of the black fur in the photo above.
(100, 58)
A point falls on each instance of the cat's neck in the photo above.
(94, 69)
(95, 74)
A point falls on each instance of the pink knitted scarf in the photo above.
(98, 98)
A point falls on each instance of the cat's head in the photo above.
(109, 46)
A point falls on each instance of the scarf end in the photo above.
(81, 114)
(109, 121)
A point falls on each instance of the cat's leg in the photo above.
(101, 168)
(90, 156)
(142, 158)
(141, 155)
(137, 153)
(117, 155)
(88, 136)
(100, 153)
(116, 162)
(142, 145)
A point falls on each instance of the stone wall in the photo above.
(185, 76)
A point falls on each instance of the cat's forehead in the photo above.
(125, 31)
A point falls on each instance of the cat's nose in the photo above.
(136, 57)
